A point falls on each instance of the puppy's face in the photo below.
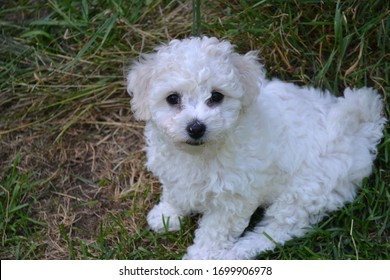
(194, 90)
(194, 104)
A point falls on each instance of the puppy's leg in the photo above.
(217, 232)
(164, 216)
(291, 215)
(272, 229)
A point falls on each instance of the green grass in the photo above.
(72, 181)
(20, 232)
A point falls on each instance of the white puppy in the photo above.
(224, 140)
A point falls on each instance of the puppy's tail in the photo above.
(362, 113)
(356, 124)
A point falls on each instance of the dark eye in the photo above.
(216, 98)
(173, 99)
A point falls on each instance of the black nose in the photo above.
(196, 129)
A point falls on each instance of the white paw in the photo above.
(238, 253)
(202, 253)
(234, 254)
(248, 247)
(163, 217)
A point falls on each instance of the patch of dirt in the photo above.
(96, 167)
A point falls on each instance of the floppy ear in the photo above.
(251, 73)
(138, 86)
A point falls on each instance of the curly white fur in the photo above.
(298, 151)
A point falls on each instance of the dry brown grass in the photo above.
(86, 173)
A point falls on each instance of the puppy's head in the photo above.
(194, 90)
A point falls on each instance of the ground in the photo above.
(72, 179)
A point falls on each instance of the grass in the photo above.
(72, 178)
(18, 229)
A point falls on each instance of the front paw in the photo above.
(163, 217)
(195, 252)
(248, 247)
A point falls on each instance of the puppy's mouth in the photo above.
(193, 142)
